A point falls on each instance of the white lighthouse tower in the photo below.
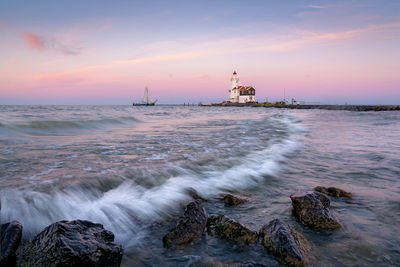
(234, 85)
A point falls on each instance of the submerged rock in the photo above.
(232, 200)
(313, 209)
(333, 191)
(193, 193)
(72, 243)
(225, 227)
(286, 244)
(189, 228)
(10, 238)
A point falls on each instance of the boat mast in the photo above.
(145, 99)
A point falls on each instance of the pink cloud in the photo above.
(34, 41)
(42, 43)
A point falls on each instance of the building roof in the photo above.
(240, 87)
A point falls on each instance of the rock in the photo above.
(286, 244)
(193, 193)
(10, 237)
(333, 191)
(241, 264)
(232, 200)
(72, 243)
(225, 227)
(189, 228)
(313, 209)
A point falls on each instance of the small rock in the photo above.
(225, 227)
(193, 193)
(10, 238)
(286, 244)
(241, 264)
(72, 243)
(313, 209)
(232, 200)
(189, 228)
(333, 191)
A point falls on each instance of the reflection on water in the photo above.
(129, 168)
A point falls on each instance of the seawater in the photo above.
(129, 168)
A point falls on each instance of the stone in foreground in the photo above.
(10, 237)
(313, 209)
(232, 200)
(333, 192)
(225, 227)
(189, 228)
(72, 243)
(286, 244)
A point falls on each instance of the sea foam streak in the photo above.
(129, 208)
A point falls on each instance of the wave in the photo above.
(129, 208)
(55, 127)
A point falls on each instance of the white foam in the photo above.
(128, 208)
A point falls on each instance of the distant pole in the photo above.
(284, 94)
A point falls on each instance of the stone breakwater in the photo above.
(335, 107)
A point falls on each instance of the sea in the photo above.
(130, 169)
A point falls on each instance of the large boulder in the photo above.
(313, 209)
(225, 227)
(333, 191)
(10, 237)
(189, 228)
(286, 244)
(72, 243)
(232, 200)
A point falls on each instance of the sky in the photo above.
(106, 52)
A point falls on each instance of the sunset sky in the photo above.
(106, 52)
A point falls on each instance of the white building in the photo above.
(241, 94)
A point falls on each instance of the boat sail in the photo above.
(145, 100)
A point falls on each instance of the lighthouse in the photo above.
(241, 94)
(234, 85)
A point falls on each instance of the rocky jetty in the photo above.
(313, 209)
(225, 227)
(72, 243)
(333, 107)
(232, 200)
(286, 244)
(189, 228)
(10, 238)
(333, 192)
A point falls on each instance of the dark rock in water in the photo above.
(241, 264)
(232, 200)
(333, 191)
(193, 193)
(313, 209)
(189, 228)
(286, 244)
(225, 227)
(10, 237)
(72, 243)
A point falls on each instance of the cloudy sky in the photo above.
(106, 52)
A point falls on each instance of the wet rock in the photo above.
(10, 238)
(241, 264)
(193, 193)
(225, 227)
(286, 244)
(333, 191)
(313, 209)
(72, 243)
(189, 228)
(232, 200)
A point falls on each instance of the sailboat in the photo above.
(145, 100)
